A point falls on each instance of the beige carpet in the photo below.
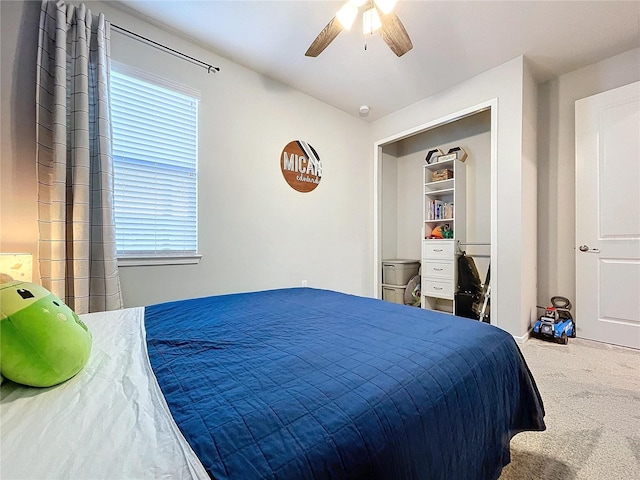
(591, 394)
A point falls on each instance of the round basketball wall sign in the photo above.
(301, 166)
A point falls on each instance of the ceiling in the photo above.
(453, 41)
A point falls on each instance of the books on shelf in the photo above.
(439, 210)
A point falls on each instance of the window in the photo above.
(155, 140)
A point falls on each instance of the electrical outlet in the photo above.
(304, 283)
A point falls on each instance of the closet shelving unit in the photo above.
(439, 255)
(451, 191)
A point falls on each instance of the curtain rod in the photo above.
(135, 36)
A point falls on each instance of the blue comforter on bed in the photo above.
(314, 384)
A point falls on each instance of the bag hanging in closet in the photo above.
(468, 276)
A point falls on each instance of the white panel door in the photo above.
(608, 216)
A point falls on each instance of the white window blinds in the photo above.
(155, 146)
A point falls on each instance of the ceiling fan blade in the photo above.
(324, 38)
(394, 34)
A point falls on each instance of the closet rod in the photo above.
(160, 46)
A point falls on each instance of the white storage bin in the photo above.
(399, 272)
(392, 293)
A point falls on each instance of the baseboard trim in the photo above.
(523, 338)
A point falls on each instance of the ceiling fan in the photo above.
(378, 14)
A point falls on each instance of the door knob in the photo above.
(585, 248)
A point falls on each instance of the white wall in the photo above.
(389, 195)
(556, 162)
(255, 232)
(18, 200)
(529, 200)
(512, 268)
(410, 192)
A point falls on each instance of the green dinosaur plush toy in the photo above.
(42, 341)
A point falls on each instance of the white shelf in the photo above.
(441, 192)
(440, 165)
(439, 184)
(440, 220)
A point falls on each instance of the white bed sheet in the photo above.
(110, 421)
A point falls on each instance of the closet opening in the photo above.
(435, 201)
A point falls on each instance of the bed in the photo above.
(290, 384)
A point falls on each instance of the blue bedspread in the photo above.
(314, 384)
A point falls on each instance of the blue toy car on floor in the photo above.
(557, 323)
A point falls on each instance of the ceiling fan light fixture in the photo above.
(347, 15)
(370, 21)
(385, 6)
(378, 15)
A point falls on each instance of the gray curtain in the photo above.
(76, 248)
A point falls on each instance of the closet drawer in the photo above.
(436, 249)
(437, 288)
(438, 269)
